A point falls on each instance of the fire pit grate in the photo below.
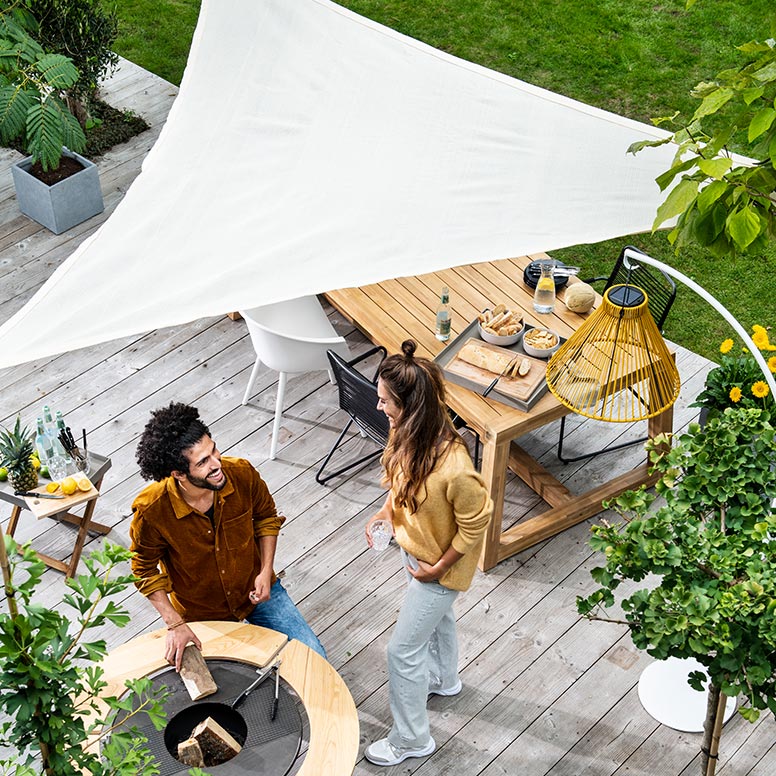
(271, 746)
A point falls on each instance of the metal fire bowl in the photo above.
(270, 747)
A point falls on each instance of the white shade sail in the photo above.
(311, 149)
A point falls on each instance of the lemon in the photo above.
(35, 461)
(84, 484)
(51, 487)
(69, 486)
(3, 474)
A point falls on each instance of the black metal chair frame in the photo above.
(661, 293)
(357, 397)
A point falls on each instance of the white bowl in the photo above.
(495, 339)
(539, 352)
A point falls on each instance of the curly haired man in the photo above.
(204, 533)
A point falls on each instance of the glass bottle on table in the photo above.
(443, 316)
(43, 444)
(544, 295)
(50, 429)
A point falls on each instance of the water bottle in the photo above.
(443, 316)
(43, 444)
(48, 421)
(51, 430)
(544, 295)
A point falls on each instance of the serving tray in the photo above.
(521, 393)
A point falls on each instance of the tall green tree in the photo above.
(710, 546)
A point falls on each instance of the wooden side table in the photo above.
(100, 465)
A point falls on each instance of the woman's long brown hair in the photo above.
(423, 432)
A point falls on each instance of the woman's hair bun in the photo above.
(408, 348)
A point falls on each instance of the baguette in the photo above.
(473, 352)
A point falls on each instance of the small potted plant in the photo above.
(738, 380)
(34, 113)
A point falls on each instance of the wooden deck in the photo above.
(545, 692)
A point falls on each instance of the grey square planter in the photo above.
(64, 204)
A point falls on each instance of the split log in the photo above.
(195, 674)
(217, 744)
(190, 754)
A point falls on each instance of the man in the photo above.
(204, 534)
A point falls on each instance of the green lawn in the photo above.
(632, 57)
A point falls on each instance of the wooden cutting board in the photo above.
(520, 388)
(45, 507)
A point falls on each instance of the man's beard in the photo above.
(204, 482)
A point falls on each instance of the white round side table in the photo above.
(666, 696)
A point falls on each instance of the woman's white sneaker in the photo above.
(454, 690)
(383, 752)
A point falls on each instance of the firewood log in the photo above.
(195, 674)
(217, 744)
(190, 754)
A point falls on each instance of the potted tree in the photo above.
(707, 553)
(55, 185)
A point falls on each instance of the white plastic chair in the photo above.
(290, 337)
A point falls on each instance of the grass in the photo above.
(632, 57)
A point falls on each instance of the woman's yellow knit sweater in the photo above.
(454, 509)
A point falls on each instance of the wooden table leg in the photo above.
(86, 521)
(495, 456)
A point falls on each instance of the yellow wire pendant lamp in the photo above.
(616, 366)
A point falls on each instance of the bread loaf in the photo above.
(477, 354)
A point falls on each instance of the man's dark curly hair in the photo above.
(170, 431)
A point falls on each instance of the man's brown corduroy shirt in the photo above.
(208, 568)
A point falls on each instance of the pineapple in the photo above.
(16, 449)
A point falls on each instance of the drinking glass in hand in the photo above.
(381, 533)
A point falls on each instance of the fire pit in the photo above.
(269, 746)
(233, 651)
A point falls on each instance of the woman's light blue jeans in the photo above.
(422, 649)
(280, 614)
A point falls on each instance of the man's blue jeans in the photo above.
(280, 614)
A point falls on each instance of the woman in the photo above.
(439, 508)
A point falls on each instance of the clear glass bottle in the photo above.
(43, 444)
(51, 430)
(544, 295)
(443, 316)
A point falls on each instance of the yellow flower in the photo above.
(735, 394)
(726, 346)
(757, 328)
(760, 338)
(760, 389)
(772, 364)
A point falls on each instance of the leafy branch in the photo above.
(50, 680)
(722, 203)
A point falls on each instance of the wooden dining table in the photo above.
(394, 310)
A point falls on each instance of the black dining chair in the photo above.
(661, 293)
(357, 397)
